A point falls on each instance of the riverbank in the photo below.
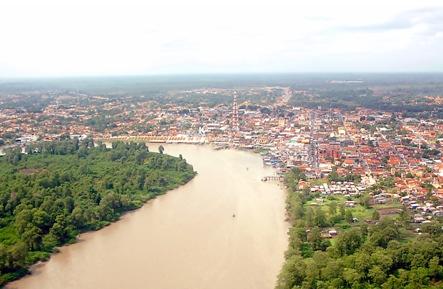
(186, 238)
(49, 197)
(330, 248)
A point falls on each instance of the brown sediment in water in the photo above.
(186, 238)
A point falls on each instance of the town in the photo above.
(348, 152)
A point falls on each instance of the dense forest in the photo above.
(59, 189)
(378, 255)
(407, 99)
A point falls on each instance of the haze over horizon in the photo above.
(106, 38)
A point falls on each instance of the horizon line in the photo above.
(73, 76)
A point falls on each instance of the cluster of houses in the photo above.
(423, 211)
(339, 188)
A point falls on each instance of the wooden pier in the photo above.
(272, 178)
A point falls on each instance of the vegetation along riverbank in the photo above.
(59, 189)
(338, 241)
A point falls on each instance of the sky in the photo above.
(135, 37)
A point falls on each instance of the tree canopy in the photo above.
(376, 256)
(59, 189)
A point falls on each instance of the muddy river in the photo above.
(185, 239)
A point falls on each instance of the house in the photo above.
(350, 204)
(419, 219)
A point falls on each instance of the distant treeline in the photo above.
(407, 99)
(365, 90)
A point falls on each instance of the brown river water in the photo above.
(185, 239)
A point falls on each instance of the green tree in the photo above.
(375, 215)
(348, 242)
(377, 275)
(314, 237)
(351, 276)
(32, 236)
(309, 217)
(342, 210)
(349, 217)
(365, 201)
(332, 208)
(292, 274)
(320, 217)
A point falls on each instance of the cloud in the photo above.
(218, 36)
(430, 18)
